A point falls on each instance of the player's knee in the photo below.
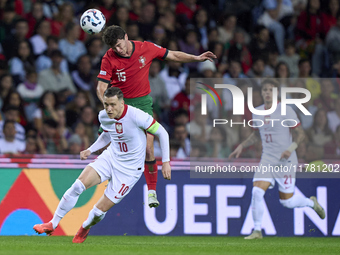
(257, 193)
(288, 203)
(77, 188)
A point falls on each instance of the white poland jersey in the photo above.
(128, 137)
(275, 137)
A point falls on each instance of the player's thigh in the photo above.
(104, 203)
(102, 166)
(89, 177)
(120, 185)
(286, 181)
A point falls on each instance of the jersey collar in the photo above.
(124, 112)
(133, 50)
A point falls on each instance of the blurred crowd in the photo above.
(48, 69)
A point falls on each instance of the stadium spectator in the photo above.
(277, 11)
(38, 41)
(158, 35)
(11, 113)
(47, 109)
(146, 20)
(73, 109)
(88, 117)
(94, 50)
(108, 8)
(21, 62)
(83, 75)
(75, 143)
(221, 57)
(174, 76)
(70, 46)
(44, 61)
(50, 140)
(135, 10)
(30, 91)
(217, 143)
(11, 43)
(311, 84)
(201, 22)
(8, 143)
(168, 21)
(54, 79)
(238, 51)
(329, 16)
(206, 69)
(120, 17)
(34, 16)
(63, 129)
(261, 44)
(132, 30)
(7, 23)
(290, 58)
(334, 116)
(332, 148)
(226, 31)
(326, 100)
(320, 134)
(80, 130)
(162, 6)
(181, 136)
(259, 70)
(333, 41)
(31, 146)
(199, 127)
(186, 9)
(14, 98)
(282, 73)
(6, 85)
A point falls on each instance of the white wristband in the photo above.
(292, 147)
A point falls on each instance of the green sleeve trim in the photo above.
(153, 128)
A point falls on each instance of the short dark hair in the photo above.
(112, 34)
(269, 81)
(8, 122)
(114, 91)
(303, 60)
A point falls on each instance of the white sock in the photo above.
(297, 201)
(68, 201)
(95, 216)
(257, 207)
(151, 191)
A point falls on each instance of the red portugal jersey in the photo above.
(131, 74)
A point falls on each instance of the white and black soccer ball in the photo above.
(92, 21)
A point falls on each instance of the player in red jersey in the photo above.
(126, 65)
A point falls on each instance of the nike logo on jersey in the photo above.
(117, 197)
(118, 70)
(120, 137)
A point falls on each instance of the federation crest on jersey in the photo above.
(119, 128)
(142, 60)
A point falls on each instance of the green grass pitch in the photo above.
(163, 245)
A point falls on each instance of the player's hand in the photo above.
(166, 170)
(208, 55)
(285, 155)
(237, 152)
(84, 154)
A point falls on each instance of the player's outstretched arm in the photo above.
(103, 140)
(253, 138)
(101, 87)
(182, 57)
(158, 130)
(298, 136)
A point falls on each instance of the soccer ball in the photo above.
(92, 21)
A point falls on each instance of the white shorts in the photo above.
(120, 183)
(282, 172)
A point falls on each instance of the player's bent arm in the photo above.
(101, 87)
(182, 57)
(252, 139)
(103, 140)
(298, 136)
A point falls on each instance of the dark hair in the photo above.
(269, 81)
(52, 38)
(277, 69)
(69, 26)
(41, 100)
(7, 108)
(303, 60)
(289, 43)
(180, 112)
(51, 123)
(8, 122)
(114, 91)
(112, 34)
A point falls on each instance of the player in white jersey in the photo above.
(122, 163)
(279, 143)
